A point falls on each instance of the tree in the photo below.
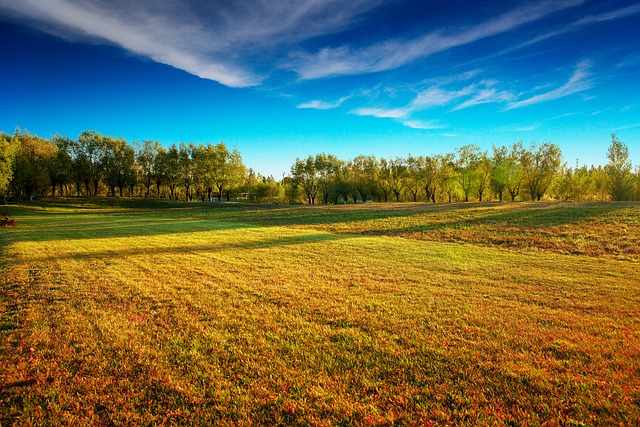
(60, 167)
(7, 153)
(118, 164)
(484, 173)
(30, 167)
(384, 178)
(305, 175)
(572, 184)
(398, 170)
(466, 163)
(413, 175)
(89, 152)
(186, 167)
(146, 154)
(168, 170)
(362, 174)
(237, 173)
(499, 175)
(327, 167)
(443, 169)
(539, 165)
(620, 181)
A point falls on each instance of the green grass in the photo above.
(113, 313)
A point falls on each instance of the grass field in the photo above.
(152, 313)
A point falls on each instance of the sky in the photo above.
(281, 79)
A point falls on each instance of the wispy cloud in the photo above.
(616, 14)
(634, 125)
(591, 19)
(395, 53)
(431, 97)
(579, 81)
(323, 105)
(383, 113)
(221, 41)
(420, 124)
(486, 96)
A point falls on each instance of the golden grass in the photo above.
(198, 317)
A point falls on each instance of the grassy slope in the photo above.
(413, 314)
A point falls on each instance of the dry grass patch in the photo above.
(212, 321)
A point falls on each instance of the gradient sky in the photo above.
(281, 79)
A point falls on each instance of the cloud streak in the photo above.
(217, 40)
(579, 81)
(323, 105)
(395, 53)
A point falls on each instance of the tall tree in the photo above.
(186, 167)
(413, 175)
(467, 158)
(539, 165)
(89, 156)
(7, 153)
(384, 178)
(499, 174)
(620, 180)
(30, 176)
(305, 174)
(237, 173)
(362, 175)
(61, 166)
(484, 173)
(146, 154)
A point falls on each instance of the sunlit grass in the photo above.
(256, 316)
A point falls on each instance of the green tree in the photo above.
(118, 164)
(305, 174)
(146, 154)
(499, 175)
(7, 153)
(362, 175)
(620, 180)
(413, 175)
(539, 165)
(60, 167)
(385, 178)
(187, 156)
(572, 184)
(236, 174)
(466, 168)
(30, 167)
(89, 159)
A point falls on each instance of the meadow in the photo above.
(127, 313)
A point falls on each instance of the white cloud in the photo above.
(634, 125)
(392, 113)
(485, 96)
(591, 19)
(420, 124)
(323, 105)
(216, 40)
(580, 80)
(395, 53)
(616, 14)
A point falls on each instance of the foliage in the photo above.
(620, 180)
(7, 152)
(95, 165)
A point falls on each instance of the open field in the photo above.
(151, 313)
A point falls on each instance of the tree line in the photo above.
(511, 172)
(99, 165)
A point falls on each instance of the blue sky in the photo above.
(288, 78)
